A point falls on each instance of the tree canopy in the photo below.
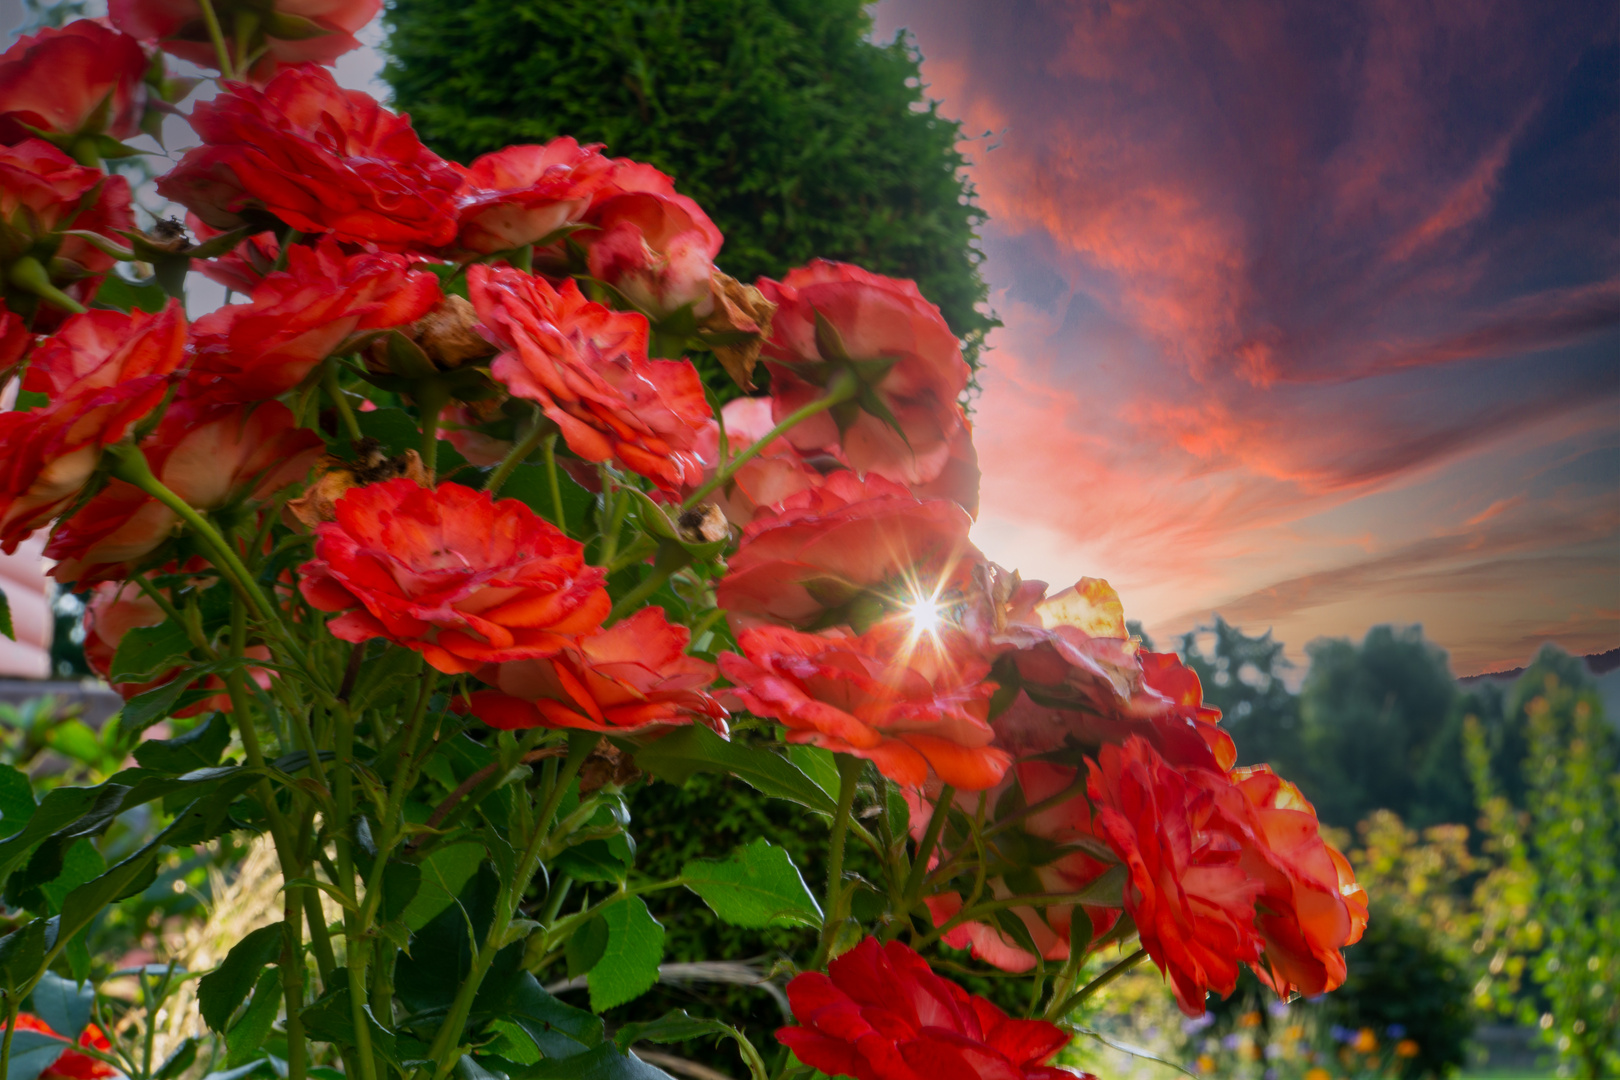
(798, 134)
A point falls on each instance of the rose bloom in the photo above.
(117, 607)
(44, 191)
(522, 194)
(1192, 900)
(461, 578)
(101, 373)
(632, 677)
(299, 316)
(843, 545)
(775, 474)
(72, 1065)
(1055, 830)
(319, 158)
(212, 456)
(587, 367)
(15, 341)
(81, 79)
(1310, 906)
(654, 245)
(178, 26)
(880, 1013)
(879, 319)
(240, 269)
(899, 701)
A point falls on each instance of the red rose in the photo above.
(82, 79)
(633, 676)
(1310, 906)
(319, 158)
(452, 574)
(879, 321)
(15, 341)
(900, 702)
(1192, 900)
(775, 474)
(846, 546)
(1056, 829)
(240, 269)
(212, 456)
(880, 1013)
(44, 192)
(102, 372)
(299, 316)
(587, 366)
(655, 246)
(522, 194)
(117, 607)
(72, 1065)
(289, 32)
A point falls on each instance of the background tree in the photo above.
(796, 132)
(1243, 677)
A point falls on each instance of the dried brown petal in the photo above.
(334, 477)
(738, 309)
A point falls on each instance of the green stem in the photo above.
(849, 772)
(919, 865)
(548, 452)
(1095, 985)
(431, 398)
(329, 382)
(842, 389)
(11, 1028)
(519, 453)
(283, 248)
(671, 557)
(30, 275)
(217, 36)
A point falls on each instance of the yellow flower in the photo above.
(1407, 1048)
(1206, 1064)
(1249, 1019)
(1366, 1041)
(1318, 1074)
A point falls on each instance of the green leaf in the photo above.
(21, 953)
(629, 964)
(673, 1026)
(64, 1004)
(5, 617)
(531, 485)
(331, 1019)
(597, 860)
(82, 864)
(179, 1061)
(694, 749)
(248, 1034)
(400, 884)
(198, 748)
(585, 946)
(557, 1029)
(222, 990)
(148, 651)
(398, 432)
(16, 800)
(819, 765)
(757, 887)
(32, 1052)
(161, 702)
(444, 874)
(605, 1062)
(120, 293)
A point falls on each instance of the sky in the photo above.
(1312, 311)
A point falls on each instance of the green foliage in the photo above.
(758, 886)
(1243, 677)
(799, 135)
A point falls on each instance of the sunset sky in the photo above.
(1312, 311)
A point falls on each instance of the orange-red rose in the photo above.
(287, 31)
(902, 703)
(654, 245)
(1191, 898)
(880, 1013)
(880, 321)
(452, 574)
(631, 677)
(522, 194)
(298, 317)
(319, 158)
(15, 341)
(78, 80)
(43, 193)
(72, 1065)
(776, 473)
(835, 551)
(587, 366)
(101, 373)
(212, 456)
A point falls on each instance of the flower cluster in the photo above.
(269, 526)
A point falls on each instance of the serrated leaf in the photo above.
(757, 887)
(64, 1004)
(179, 1060)
(222, 990)
(677, 756)
(585, 946)
(531, 485)
(597, 860)
(32, 1052)
(148, 651)
(82, 864)
(444, 874)
(198, 748)
(629, 964)
(16, 800)
(400, 884)
(242, 1042)
(818, 764)
(605, 1062)
(674, 1026)
(21, 953)
(557, 1029)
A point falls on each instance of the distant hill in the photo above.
(1605, 670)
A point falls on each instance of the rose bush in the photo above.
(431, 672)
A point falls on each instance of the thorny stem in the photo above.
(842, 389)
(849, 772)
